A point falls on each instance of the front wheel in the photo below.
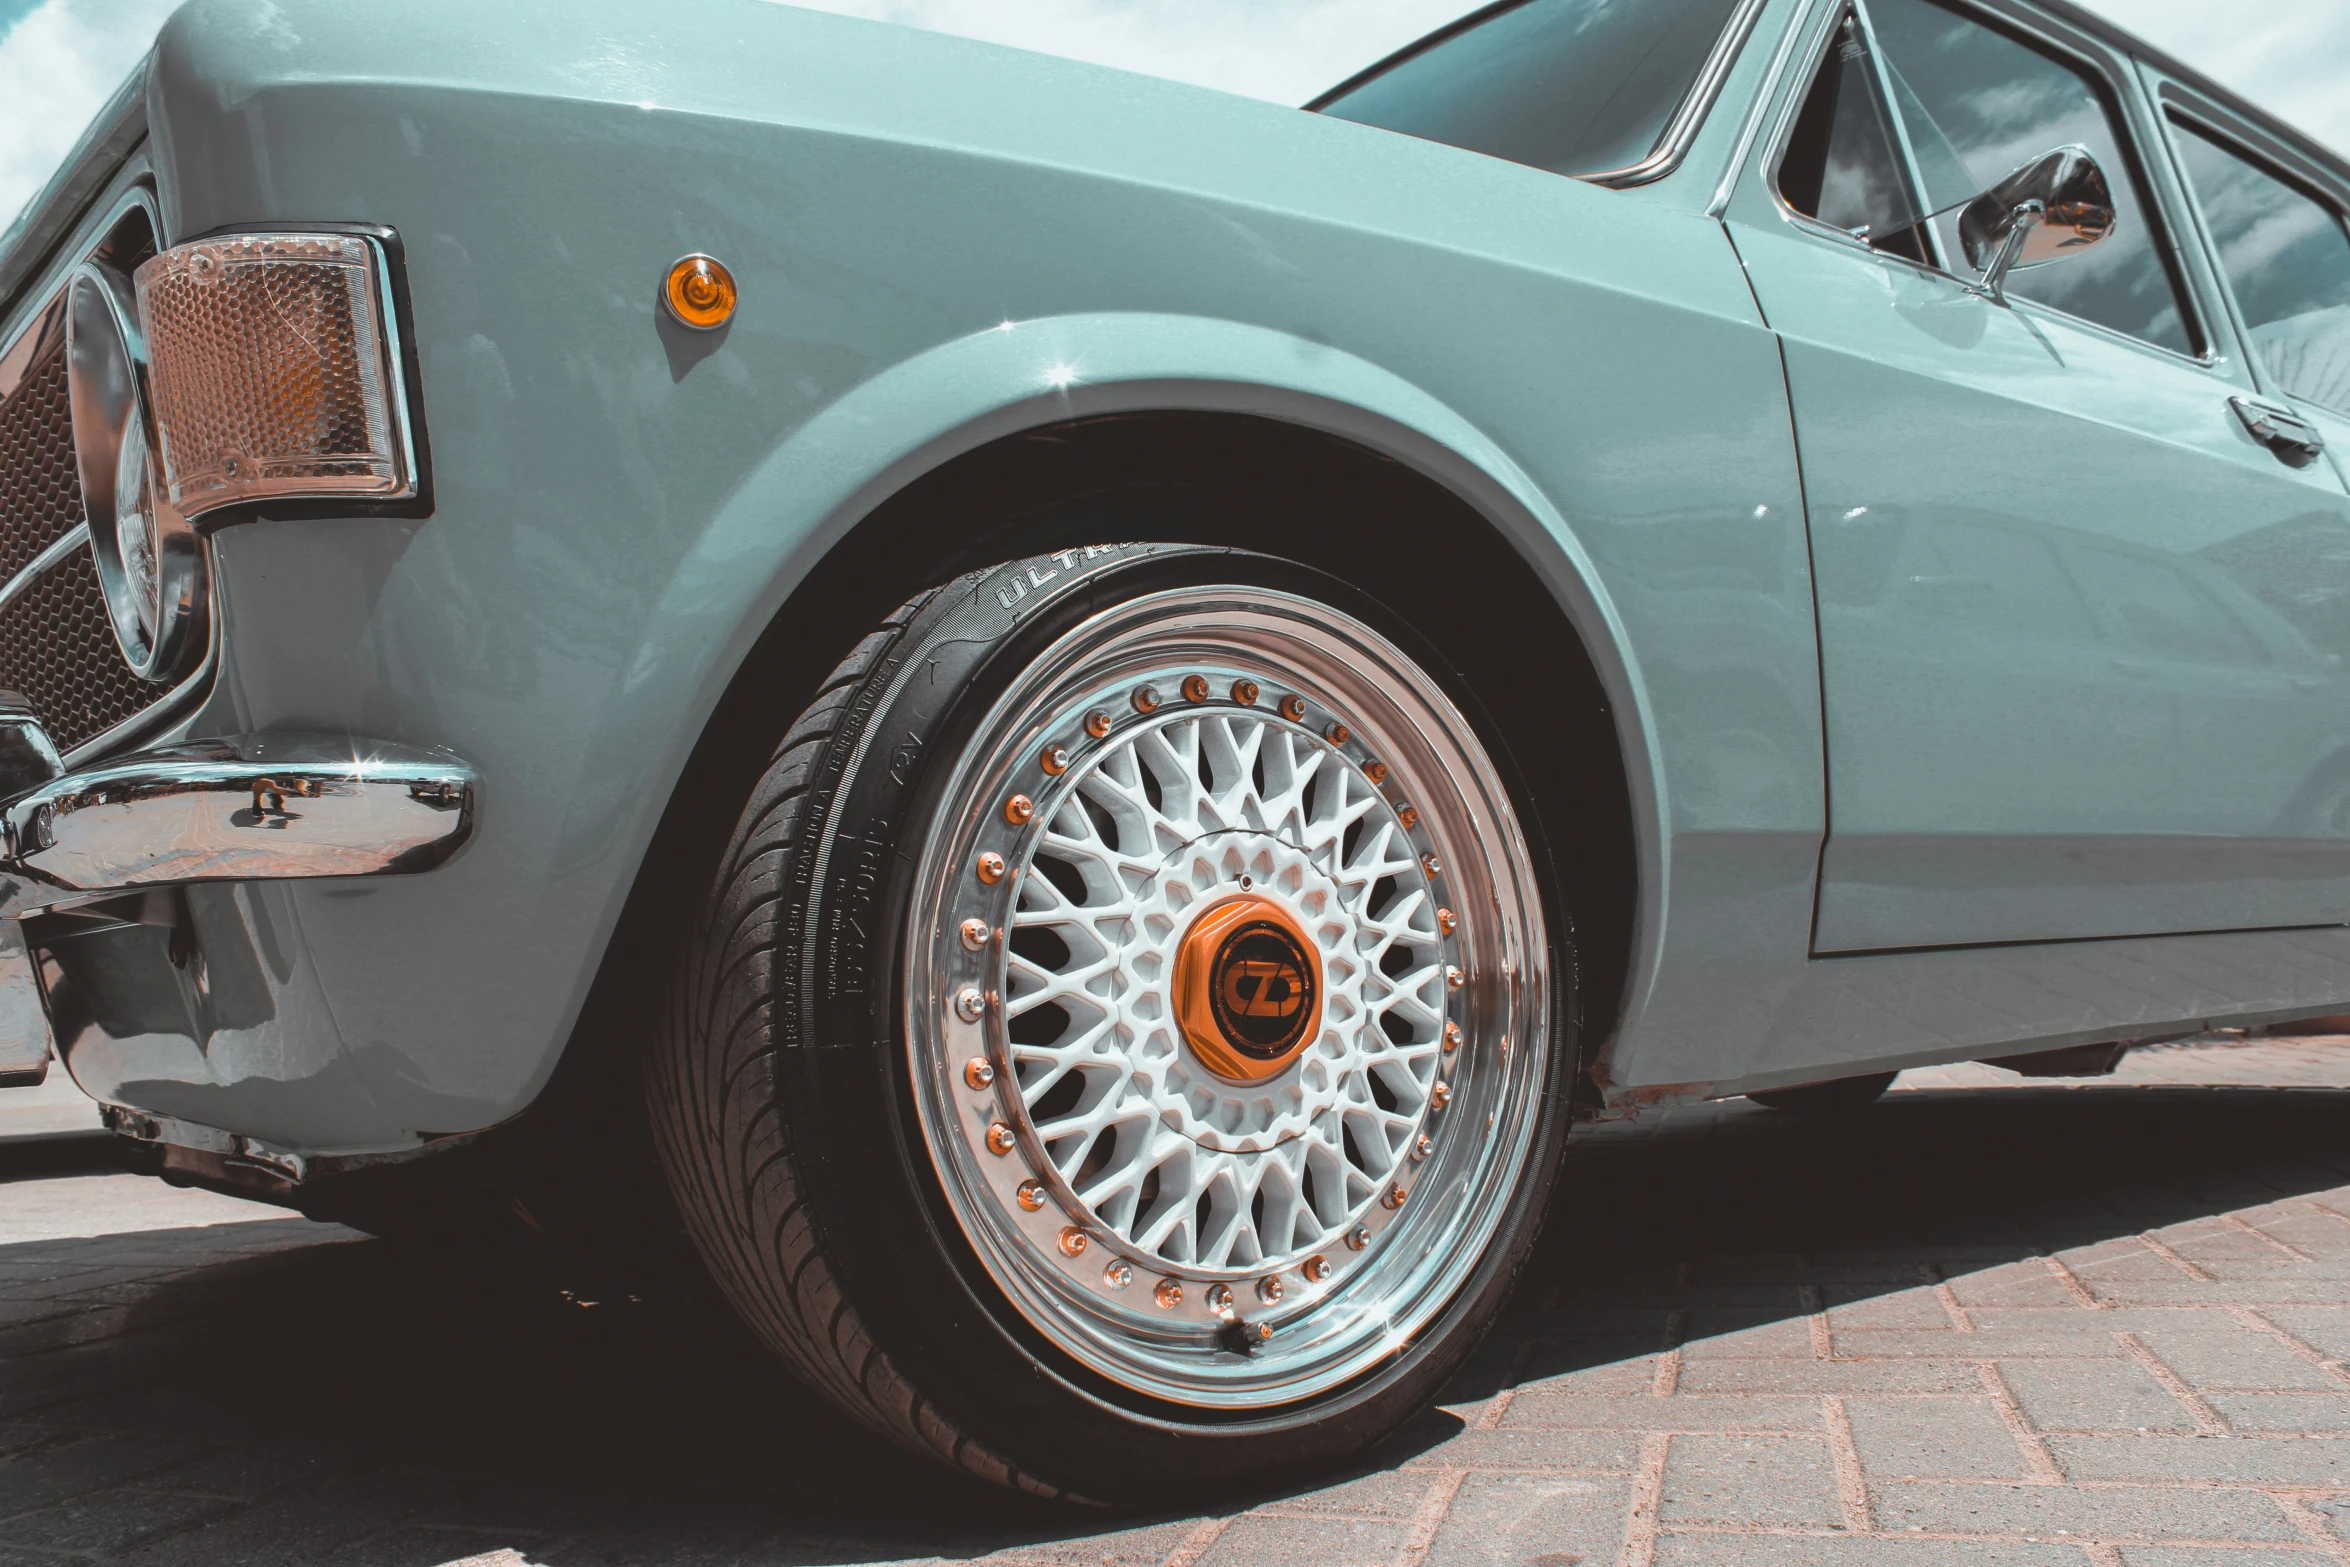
(1122, 1050)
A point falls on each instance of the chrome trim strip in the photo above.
(48, 560)
(86, 241)
(1797, 26)
(247, 807)
(1681, 132)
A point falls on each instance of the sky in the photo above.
(60, 58)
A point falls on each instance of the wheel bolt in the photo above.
(1452, 1036)
(1054, 759)
(1339, 734)
(1394, 1198)
(1195, 688)
(1146, 699)
(1245, 692)
(1447, 922)
(1019, 810)
(1316, 1269)
(1169, 1294)
(1423, 1146)
(1408, 815)
(999, 1139)
(1269, 1289)
(1097, 724)
(1031, 1195)
(971, 1006)
(1220, 1299)
(991, 867)
(1376, 772)
(1439, 1096)
(1358, 1237)
(979, 1072)
(1118, 1275)
(1454, 979)
(1072, 1242)
(975, 934)
(1430, 865)
(1293, 708)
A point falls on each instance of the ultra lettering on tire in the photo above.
(1122, 1049)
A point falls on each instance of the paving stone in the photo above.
(1949, 1439)
(2084, 1512)
(1782, 1481)
(2094, 1395)
(2253, 1460)
(1986, 1344)
(1748, 1550)
(1568, 1452)
(1576, 1412)
(1909, 1310)
(2324, 1328)
(2284, 1411)
(1509, 1520)
(1743, 1335)
(2223, 1556)
(2243, 1358)
(1306, 1542)
(1393, 1494)
(1712, 1375)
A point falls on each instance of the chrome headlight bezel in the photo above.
(157, 612)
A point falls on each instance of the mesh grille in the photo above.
(57, 648)
(56, 644)
(40, 497)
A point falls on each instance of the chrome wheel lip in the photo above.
(1361, 1307)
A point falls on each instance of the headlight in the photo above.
(275, 372)
(150, 562)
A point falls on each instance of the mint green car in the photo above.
(1071, 720)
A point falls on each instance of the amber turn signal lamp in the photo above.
(700, 293)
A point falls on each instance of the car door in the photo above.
(2272, 221)
(2065, 692)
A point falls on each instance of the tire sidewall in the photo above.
(843, 1082)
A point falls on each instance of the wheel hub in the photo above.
(1248, 988)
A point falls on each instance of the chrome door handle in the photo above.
(2293, 439)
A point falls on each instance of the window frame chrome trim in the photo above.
(1680, 132)
(1672, 143)
(2177, 108)
(1790, 108)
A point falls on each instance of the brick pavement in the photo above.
(2100, 1325)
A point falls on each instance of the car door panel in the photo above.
(2112, 724)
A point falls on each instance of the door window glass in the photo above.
(1843, 164)
(1979, 104)
(2287, 257)
(1572, 86)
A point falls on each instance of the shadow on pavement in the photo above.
(411, 1387)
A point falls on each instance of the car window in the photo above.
(1979, 104)
(1843, 164)
(2287, 256)
(1572, 86)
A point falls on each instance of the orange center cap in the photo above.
(1248, 988)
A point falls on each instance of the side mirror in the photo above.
(2055, 206)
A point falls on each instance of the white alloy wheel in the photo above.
(1225, 996)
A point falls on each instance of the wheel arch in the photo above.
(1470, 552)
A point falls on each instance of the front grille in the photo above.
(56, 644)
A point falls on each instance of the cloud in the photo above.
(58, 64)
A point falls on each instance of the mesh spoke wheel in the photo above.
(1119, 1052)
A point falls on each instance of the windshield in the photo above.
(1583, 87)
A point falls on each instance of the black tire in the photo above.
(1843, 1096)
(783, 1112)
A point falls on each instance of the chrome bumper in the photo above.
(248, 807)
